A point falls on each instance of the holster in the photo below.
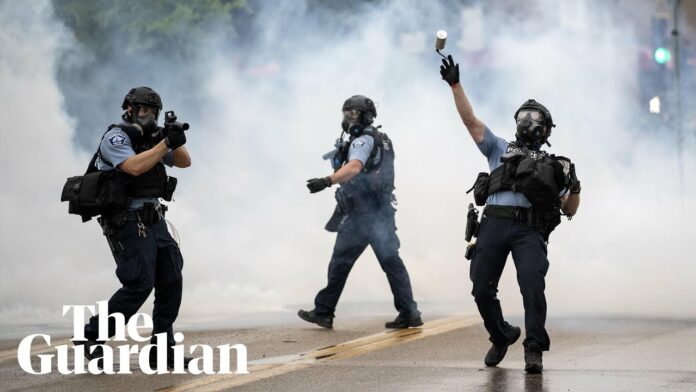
(472, 223)
(469, 253)
(108, 229)
(472, 228)
(335, 220)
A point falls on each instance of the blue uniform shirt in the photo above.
(361, 148)
(494, 147)
(116, 147)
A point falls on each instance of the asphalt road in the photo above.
(447, 354)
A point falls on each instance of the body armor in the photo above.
(372, 189)
(539, 176)
(154, 182)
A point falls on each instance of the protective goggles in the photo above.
(535, 115)
(351, 116)
(144, 110)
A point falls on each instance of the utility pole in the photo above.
(678, 101)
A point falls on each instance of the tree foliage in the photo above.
(154, 26)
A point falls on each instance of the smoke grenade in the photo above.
(440, 40)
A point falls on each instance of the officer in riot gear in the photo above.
(364, 167)
(525, 194)
(135, 153)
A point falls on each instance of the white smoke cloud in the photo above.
(251, 234)
(39, 255)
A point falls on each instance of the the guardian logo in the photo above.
(124, 352)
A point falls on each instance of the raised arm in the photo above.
(450, 73)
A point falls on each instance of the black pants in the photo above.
(355, 233)
(144, 263)
(497, 238)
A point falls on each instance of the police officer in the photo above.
(524, 195)
(364, 168)
(147, 257)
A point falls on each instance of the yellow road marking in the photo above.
(341, 351)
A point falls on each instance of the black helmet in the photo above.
(142, 96)
(547, 121)
(365, 105)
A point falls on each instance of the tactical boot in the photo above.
(313, 317)
(98, 352)
(497, 353)
(404, 321)
(532, 361)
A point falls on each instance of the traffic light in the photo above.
(660, 39)
(662, 55)
(656, 72)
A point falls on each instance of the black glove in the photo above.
(573, 182)
(318, 184)
(449, 71)
(175, 139)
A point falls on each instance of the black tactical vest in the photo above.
(374, 185)
(152, 183)
(537, 175)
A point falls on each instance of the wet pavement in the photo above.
(586, 355)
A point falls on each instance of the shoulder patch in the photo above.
(117, 140)
(358, 143)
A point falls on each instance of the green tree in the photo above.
(155, 26)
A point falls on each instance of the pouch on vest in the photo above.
(94, 194)
(537, 181)
(169, 188)
(481, 188)
(525, 168)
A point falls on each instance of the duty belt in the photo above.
(519, 214)
(148, 214)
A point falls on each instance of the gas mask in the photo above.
(148, 121)
(352, 123)
(530, 128)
